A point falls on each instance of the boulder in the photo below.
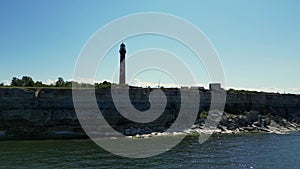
(242, 122)
(252, 116)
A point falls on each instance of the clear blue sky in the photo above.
(258, 42)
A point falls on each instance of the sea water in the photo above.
(220, 151)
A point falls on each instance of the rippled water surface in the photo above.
(223, 151)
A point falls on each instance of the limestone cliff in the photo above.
(49, 113)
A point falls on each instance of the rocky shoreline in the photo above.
(252, 122)
(229, 124)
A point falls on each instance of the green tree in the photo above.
(68, 84)
(104, 84)
(60, 82)
(1, 84)
(27, 81)
(39, 84)
(16, 82)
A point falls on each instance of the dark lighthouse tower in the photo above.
(122, 52)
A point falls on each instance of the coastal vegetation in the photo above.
(203, 115)
(60, 83)
(27, 81)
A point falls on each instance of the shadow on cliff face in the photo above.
(140, 100)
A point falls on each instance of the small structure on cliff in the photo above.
(215, 86)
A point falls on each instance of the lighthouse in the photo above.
(122, 52)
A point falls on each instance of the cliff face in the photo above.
(25, 113)
(49, 113)
(283, 105)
